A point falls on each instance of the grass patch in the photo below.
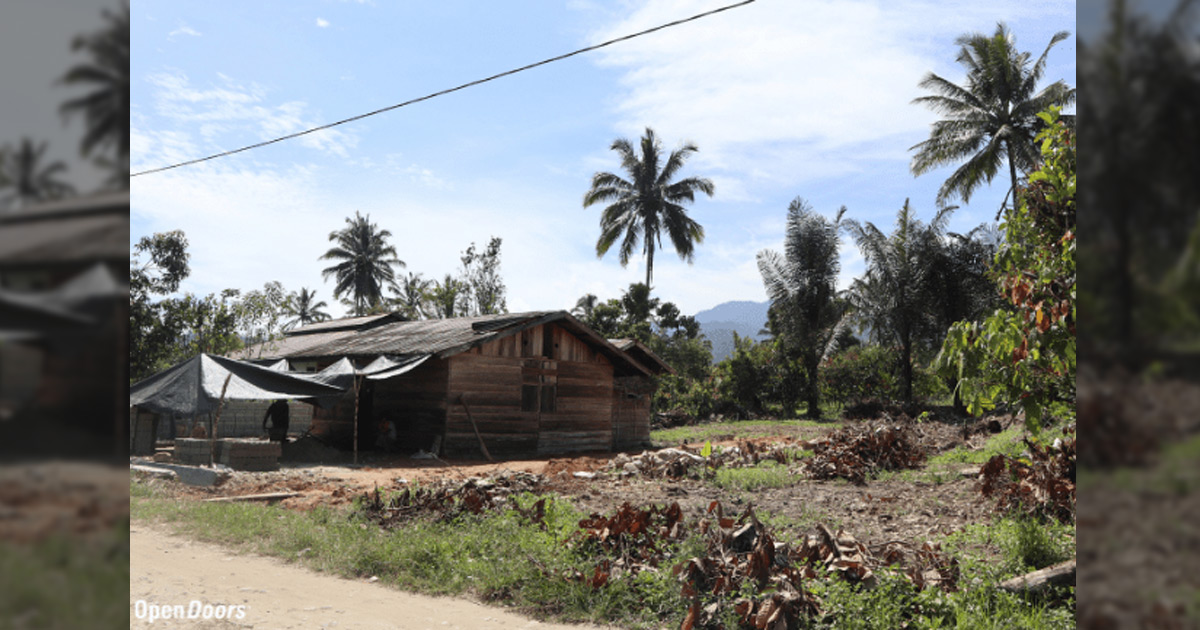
(1007, 442)
(67, 582)
(737, 430)
(768, 474)
(501, 557)
(495, 557)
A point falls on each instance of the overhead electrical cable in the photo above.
(443, 92)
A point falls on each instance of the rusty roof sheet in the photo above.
(440, 337)
(643, 355)
(346, 323)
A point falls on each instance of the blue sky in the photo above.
(783, 99)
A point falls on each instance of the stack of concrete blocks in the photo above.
(238, 454)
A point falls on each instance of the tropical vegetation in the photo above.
(647, 203)
(992, 118)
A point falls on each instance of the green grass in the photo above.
(738, 430)
(1007, 442)
(502, 558)
(768, 474)
(66, 582)
(495, 557)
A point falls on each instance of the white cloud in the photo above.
(230, 109)
(183, 29)
(785, 91)
(322, 22)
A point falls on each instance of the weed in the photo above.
(768, 474)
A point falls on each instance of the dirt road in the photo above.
(171, 571)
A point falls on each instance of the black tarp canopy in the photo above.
(194, 386)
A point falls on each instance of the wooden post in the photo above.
(482, 446)
(212, 439)
(356, 420)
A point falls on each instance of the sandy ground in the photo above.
(167, 569)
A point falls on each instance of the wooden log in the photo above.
(1061, 574)
(268, 496)
(482, 446)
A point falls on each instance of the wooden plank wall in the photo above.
(631, 412)
(568, 386)
(416, 402)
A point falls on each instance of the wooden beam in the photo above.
(1061, 574)
(463, 398)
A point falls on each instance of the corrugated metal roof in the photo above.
(346, 323)
(369, 337)
(643, 354)
(433, 336)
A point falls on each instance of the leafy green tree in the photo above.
(105, 107)
(608, 319)
(482, 285)
(261, 315)
(206, 324)
(648, 203)
(412, 296)
(366, 262)
(990, 119)
(303, 309)
(32, 181)
(893, 297)
(157, 266)
(1026, 354)
(802, 285)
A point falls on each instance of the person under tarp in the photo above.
(277, 414)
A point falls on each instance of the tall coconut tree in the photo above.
(303, 308)
(992, 118)
(802, 286)
(896, 294)
(366, 263)
(647, 203)
(28, 179)
(412, 296)
(105, 104)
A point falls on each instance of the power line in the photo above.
(447, 91)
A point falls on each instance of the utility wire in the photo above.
(436, 94)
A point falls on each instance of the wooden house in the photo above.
(524, 384)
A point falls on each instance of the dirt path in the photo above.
(169, 570)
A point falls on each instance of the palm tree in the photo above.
(412, 296)
(992, 118)
(648, 203)
(304, 308)
(366, 262)
(802, 285)
(447, 298)
(894, 296)
(584, 306)
(30, 180)
(105, 107)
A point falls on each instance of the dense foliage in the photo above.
(1025, 353)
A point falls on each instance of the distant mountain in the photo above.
(720, 322)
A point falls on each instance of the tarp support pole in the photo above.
(212, 439)
(356, 420)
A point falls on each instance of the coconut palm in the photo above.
(584, 306)
(802, 285)
(105, 106)
(412, 296)
(648, 203)
(992, 118)
(303, 308)
(366, 263)
(28, 178)
(447, 298)
(894, 297)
